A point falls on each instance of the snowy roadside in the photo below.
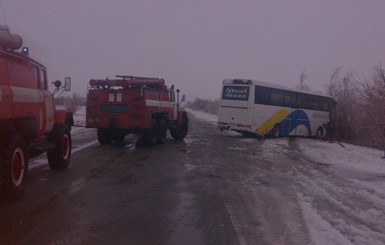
(354, 190)
(80, 118)
(344, 206)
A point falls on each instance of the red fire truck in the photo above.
(29, 122)
(137, 105)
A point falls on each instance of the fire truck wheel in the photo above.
(180, 131)
(14, 168)
(59, 157)
(104, 136)
(162, 132)
(150, 135)
(119, 139)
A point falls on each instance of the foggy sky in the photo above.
(195, 44)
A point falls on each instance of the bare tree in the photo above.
(204, 105)
(72, 102)
(360, 112)
(373, 96)
(333, 82)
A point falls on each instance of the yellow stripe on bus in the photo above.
(268, 125)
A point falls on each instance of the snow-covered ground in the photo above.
(80, 116)
(344, 204)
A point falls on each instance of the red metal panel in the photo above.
(143, 97)
(6, 102)
(60, 115)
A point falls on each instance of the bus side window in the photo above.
(314, 103)
(262, 95)
(303, 101)
(300, 100)
(276, 97)
(289, 99)
(324, 105)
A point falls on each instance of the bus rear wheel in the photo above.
(276, 131)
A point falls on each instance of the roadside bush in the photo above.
(360, 112)
(208, 106)
(72, 102)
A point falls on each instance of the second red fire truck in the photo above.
(135, 105)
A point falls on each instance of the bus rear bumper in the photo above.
(235, 127)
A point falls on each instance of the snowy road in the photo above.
(340, 187)
(212, 188)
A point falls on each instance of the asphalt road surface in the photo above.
(212, 188)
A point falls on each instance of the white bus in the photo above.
(264, 109)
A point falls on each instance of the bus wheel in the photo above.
(320, 133)
(276, 131)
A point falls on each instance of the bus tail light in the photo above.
(244, 126)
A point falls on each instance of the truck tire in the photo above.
(59, 157)
(119, 138)
(162, 132)
(150, 135)
(14, 168)
(180, 131)
(104, 136)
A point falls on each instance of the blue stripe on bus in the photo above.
(292, 121)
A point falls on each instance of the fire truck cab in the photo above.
(137, 105)
(29, 122)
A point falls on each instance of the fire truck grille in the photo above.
(114, 108)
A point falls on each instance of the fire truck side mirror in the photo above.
(183, 98)
(67, 84)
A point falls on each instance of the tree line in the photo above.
(72, 102)
(360, 110)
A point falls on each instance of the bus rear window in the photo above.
(235, 93)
